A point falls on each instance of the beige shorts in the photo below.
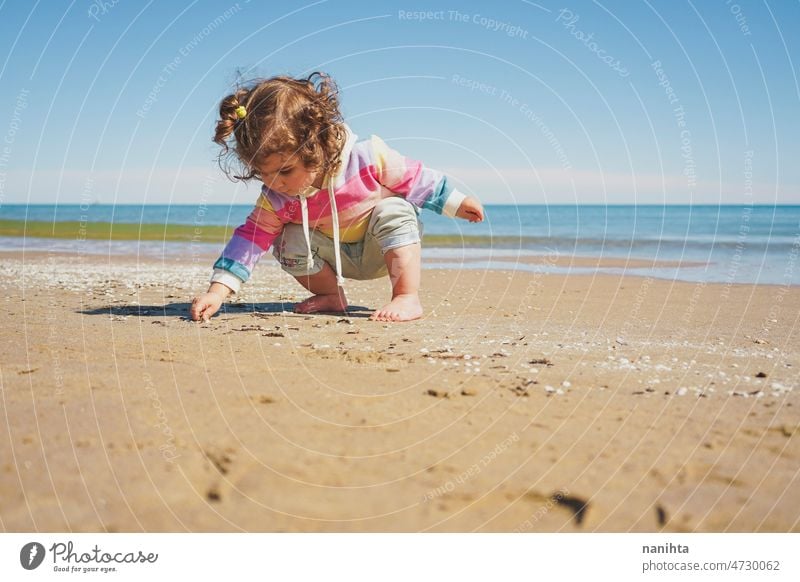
(394, 223)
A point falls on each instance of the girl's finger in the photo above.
(198, 311)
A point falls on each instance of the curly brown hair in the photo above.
(286, 116)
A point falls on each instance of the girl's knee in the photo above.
(393, 207)
(393, 217)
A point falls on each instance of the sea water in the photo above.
(725, 244)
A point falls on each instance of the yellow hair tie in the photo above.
(241, 112)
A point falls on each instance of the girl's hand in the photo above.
(204, 306)
(471, 210)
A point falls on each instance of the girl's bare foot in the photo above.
(316, 303)
(328, 296)
(404, 307)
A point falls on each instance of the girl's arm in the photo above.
(424, 187)
(247, 245)
(238, 259)
(206, 305)
(470, 209)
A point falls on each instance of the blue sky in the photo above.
(519, 102)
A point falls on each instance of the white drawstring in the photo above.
(307, 233)
(336, 251)
(304, 212)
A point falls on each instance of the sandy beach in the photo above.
(521, 402)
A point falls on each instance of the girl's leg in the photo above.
(404, 265)
(396, 229)
(328, 296)
(290, 250)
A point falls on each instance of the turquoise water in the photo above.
(732, 244)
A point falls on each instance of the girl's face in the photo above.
(286, 174)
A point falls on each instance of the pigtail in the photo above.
(230, 124)
(228, 119)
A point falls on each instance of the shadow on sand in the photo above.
(181, 310)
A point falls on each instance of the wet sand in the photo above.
(570, 261)
(521, 402)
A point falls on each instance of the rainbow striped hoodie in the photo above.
(370, 171)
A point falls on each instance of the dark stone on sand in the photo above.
(578, 506)
(661, 515)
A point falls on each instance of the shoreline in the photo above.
(536, 264)
(199, 233)
(731, 246)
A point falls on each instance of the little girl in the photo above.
(331, 207)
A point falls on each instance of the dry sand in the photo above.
(521, 402)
